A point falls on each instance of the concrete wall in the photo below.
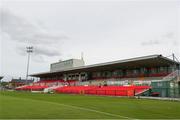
(67, 64)
(78, 62)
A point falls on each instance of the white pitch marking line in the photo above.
(92, 110)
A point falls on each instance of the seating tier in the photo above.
(104, 90)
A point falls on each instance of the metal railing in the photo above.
(172, 75)
(167, 92)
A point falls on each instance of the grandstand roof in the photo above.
(145, 61)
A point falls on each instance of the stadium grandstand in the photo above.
(153, 75)
(19, 82)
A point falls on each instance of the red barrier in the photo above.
(105, 90)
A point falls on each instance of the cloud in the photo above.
(23, 33)
(39, 59)
(169, 35)
(166, 38)
(39, 50)
(47, 52)
(151, 42)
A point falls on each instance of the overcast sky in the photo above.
(104, 30)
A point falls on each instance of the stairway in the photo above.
(172, 76)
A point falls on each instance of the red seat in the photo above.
(105, 90)
(33, 87)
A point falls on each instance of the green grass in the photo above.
(21, 105)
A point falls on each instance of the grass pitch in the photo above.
(23, 105)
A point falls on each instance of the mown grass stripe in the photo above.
(77, 107)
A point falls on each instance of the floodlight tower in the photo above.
(29, 50)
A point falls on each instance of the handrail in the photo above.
(172, 75)
(142, 91)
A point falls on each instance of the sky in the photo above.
(104, 30)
